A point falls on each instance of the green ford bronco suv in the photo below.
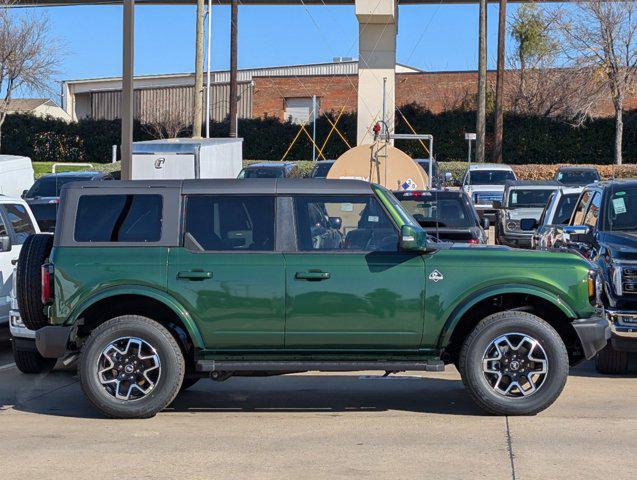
(158, 284)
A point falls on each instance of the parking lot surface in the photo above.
(318, 426)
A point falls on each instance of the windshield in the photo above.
(51, 186)
(321, 169)
(565, 208)
(429, 210)
(261, 173)
(621, 211)
(578, 177)
(491, 177)
(528, 198)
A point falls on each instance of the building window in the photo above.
(299, 109)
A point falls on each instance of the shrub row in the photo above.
(527, 139)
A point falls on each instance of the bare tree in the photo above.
(165, 122)
(29, 57)
(602, 36)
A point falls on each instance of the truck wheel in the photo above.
(131, 367)
(33, 254)
(611, 362)
(514, 363)
(30, 361)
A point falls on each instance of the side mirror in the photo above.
(412, 239)
(5, 244)
(497, 204)
(485, 223)
(336, 222)
(578, 233)
(528, 224)
(448, 177)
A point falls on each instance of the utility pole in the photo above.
(499, 86)
(209, 64)
(197, 118)
(127, 88)
(482, 83)
(233, 68)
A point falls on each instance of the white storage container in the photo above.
(185, 158)
(16, 175)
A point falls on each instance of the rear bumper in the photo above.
(593, 334)
(17, 328)
(53, 341)
(517, 239)
(623, 325)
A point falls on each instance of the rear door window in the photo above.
(342, 222)
(226, 222)
(119, 218)
(20, 221)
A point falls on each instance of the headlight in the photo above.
(513, 225)
(617, 280)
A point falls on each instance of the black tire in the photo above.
(188, 382)
(476, 382)
(611, 362)
(30, 361)
(34, 252)
(168, 383)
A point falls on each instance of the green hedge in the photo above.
(528, 140)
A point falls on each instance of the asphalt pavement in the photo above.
(309, 426)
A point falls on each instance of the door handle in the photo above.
(312, 276)
(194, 275)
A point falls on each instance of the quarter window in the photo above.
(343, 223)
(20, 221)
(225, 222)
(119, 218)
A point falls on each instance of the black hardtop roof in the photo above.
(247, 186)
(532, 183)
(441, 193)
(617, 183)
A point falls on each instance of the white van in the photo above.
(16, 175)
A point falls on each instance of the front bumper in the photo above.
(593, 334)
(623, 325)
(53, 341)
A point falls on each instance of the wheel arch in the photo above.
(114, 297)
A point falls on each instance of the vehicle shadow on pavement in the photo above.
(334, 394)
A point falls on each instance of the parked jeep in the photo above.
(558, 211)
(603, 228)
(158, 284)
(522, 200)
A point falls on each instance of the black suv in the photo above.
(603, 228)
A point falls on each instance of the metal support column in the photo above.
(127, 87)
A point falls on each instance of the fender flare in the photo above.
(142, 291)
(466, 304)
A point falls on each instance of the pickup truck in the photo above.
(603, 229)
(157, 284)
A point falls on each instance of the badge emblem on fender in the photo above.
(436, 276)
(159, 163)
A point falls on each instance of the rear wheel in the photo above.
(611, 362)
(131, 367)
(514, 363)
(30, 361)
(34, 252)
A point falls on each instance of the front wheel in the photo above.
(514, 363)
(131, 367)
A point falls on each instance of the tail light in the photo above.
(474, 241)
(47, 283)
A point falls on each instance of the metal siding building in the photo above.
(156, 95)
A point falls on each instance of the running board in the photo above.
(320, 366)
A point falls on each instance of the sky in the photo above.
(430, 37)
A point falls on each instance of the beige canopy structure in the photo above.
(380, 163)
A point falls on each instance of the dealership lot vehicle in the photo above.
(577, 176)
(558, 211)
(44, 195)
(447, 215)
(484, 182)
(278, 276)
(16, 175)
(321, 168)
(603, 228)
(16, 224)
(268, 170)
(522, 200)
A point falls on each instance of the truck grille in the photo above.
(629, 280)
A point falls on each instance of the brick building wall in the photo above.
(438, 91)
